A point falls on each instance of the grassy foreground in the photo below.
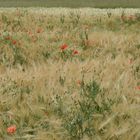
(69, 74)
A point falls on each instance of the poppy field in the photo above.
(69, 74)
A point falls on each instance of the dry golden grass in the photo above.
(44, 89)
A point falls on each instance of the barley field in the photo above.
(69, 74)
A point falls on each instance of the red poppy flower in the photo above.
(75, 52)
(38, 30)
(78, 82)
(14, 42)
(138, 88)
(63, 47)
(29, 32)
(11, 129)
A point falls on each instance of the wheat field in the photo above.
(69, 74)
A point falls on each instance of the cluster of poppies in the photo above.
(65, 46)
(13, 41)
(130, 18)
